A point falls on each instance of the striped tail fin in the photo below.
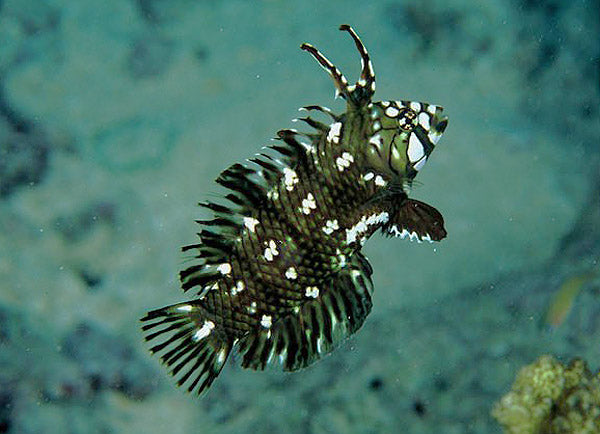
(191, 345)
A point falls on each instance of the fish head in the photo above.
(402, 136)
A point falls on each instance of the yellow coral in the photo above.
(549, 398)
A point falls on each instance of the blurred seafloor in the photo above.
(116, 116)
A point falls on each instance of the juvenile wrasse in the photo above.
(278, 268)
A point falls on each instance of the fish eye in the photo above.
(407, 119)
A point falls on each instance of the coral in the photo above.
(548, 397)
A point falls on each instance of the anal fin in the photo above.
(300, 338)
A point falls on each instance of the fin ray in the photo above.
(180, 339)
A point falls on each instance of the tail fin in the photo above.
(191, 343)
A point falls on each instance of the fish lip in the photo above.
(442, 124)
(440, 121)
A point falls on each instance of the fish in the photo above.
(563, 299)
(277, 268)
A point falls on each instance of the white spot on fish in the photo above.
(250, 223)
(239, 287)
(312, 292)
(252, 308)
(268, 255)
(330, 226)
(271, 250)
(185, 308)
(333, 136)
(308, 204)
(391, 112)
(376, 219)
(415, 106)
(203, 331)
(344, 161)
(368, 176)
(290, 178)
(431, 109)
(363, 224)
(380, 181)
(224, 268)
(265, 321)
(290, 273)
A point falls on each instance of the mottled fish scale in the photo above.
(278, 269)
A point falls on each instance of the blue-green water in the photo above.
(116, 116)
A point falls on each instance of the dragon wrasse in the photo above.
(278, 267)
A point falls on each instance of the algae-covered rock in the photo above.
(548, 397)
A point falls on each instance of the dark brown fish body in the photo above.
(279, 269)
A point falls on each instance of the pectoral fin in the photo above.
(417, 221)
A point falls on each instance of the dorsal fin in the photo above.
(360, 93)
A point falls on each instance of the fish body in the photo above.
(278, 268)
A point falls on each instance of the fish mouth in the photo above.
(440, 127)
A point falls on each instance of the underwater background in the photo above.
(115, 118)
